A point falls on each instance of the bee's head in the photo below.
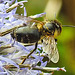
(52, 27)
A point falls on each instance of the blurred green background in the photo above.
(64, 11)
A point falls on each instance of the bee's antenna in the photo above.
(68, 26)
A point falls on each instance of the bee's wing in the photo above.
(49, 47)
(23, 18)
(30, 18)
(38, 15)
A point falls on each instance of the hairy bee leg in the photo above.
(14, 35)
(29, 53)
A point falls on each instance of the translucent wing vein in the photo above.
(49, 47)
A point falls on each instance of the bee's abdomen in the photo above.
(27, 35)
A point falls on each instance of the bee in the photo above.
(34, 30)
(46, 31)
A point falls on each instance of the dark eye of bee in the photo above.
(58, 25)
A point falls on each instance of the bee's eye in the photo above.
(57, 25)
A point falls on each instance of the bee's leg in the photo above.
(55, 40)
(41, 40)
(12, 34)
(29, 53)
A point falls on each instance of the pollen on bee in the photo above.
(40, 27)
